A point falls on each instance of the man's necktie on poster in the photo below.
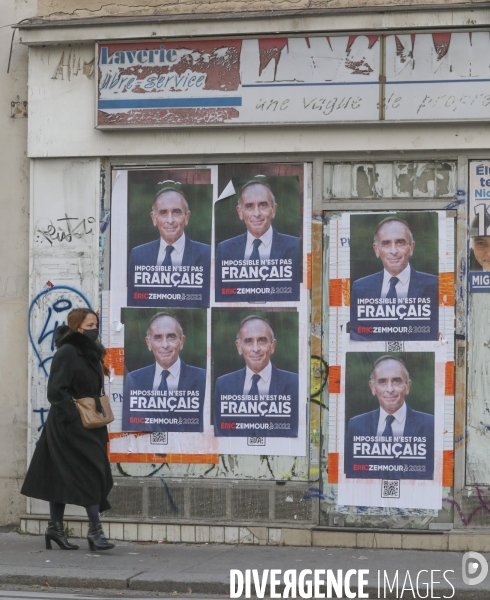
(254, 388)
(388, 432)
(255, 252)
(163, 387)
(392, 291)
(167, 261)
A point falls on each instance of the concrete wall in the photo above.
(14, 252)
(61, 100)
(65, 9)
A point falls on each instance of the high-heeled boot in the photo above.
(56, 533)
(97, 539)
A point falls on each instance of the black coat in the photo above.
(70, 463)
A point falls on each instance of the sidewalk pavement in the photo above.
(205, 568)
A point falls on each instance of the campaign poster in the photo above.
(394, 274)
(479, 217)
(169, 227)
(258, 237)
(165, 353)
(255, 372)
(389, 416)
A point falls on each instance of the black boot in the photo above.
(56, 533)
(97, 539)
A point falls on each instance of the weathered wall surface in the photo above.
(14, 252)
(64, 9)
(478, 410)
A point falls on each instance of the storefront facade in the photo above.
(350, 119)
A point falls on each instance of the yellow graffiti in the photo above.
(318, 375)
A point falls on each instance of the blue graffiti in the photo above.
(55, 312)
(313, 494)
(454, 204)
(104, 224)
(41, 412)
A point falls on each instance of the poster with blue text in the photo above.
(479, 217)
(258, 229)
(394, 262)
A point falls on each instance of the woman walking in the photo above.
(70, 464)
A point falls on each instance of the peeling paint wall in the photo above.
(478, 407)
(390, 180)
(63, 9)
(14, 250)
(64, 267)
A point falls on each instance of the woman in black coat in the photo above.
(70, 463)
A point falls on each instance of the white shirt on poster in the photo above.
(264, 382)
(264, 248)
(177, 254)
(398, 425)
(401, 286)
(172, 379)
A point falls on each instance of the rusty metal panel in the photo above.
(437, 76)
(427, 179)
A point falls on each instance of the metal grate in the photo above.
(127, 501)
(207, 502)
(290, 506)
(250, 504)
(165, 502)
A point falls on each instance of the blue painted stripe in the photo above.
(326, 84)
(261, 85)
(171, 103)
(438, 81)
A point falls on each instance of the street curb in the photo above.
(195, 587)
(60, 581)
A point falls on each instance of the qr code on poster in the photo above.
(394, 346)
(159, 437)
(390, 488)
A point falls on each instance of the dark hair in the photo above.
(389, 357)
(164, 314)
(169, 188)
(256, 182)
(475, 225)
(77, 316)
(254, 318)
(389, 220)
(74, 321)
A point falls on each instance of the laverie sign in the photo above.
(279, 80)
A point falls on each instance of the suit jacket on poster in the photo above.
(195, 255)
(283, 383)
(417, 424)
(421, 285)
(190, 378)
(283, 247)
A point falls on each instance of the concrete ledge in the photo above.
(277, 535)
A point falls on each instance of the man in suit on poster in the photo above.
(257, 208)
(394, 245)
(165, 339)
(255, 341)
(390, 382)
(170, 214)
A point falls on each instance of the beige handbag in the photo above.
(91, 418)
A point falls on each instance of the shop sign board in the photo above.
(317, 79)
